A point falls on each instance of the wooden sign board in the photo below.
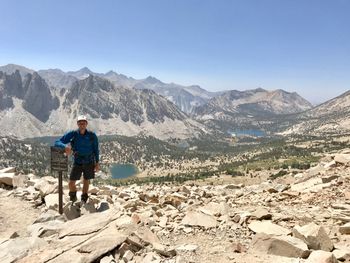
(59, 161)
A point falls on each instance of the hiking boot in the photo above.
(73, 196)
(84, 198)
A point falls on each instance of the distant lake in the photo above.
(122, 171)
(252, 132)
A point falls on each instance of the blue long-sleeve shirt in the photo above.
(85, 146)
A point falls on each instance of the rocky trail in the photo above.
(15, 216)
(297, 218)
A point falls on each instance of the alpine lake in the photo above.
(122, 171)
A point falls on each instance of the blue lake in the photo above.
(122, 171)
(256, 133)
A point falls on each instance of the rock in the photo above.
(8, 170)
(93, 190)
(125, 221)
(135, 242)
(151, 257)
(306, 185)
(181, 259)
(164, 250)
(343, 159)
(7, 178)
(261, 213)
(89, 223)
(215, 209)
(15, 249)
(194, 218)
(105, 241)
(45, 229)
(268, 228)
(342, 254)
(185, 190)
(238, 248)
(330, 178)
(314, 236)
(163, 221)
(147, 236)
(233, 186)
(347, 195)
(102, 206)
(330, 164)
(319, 256)
(71, 211)
(345, 229)
(174, 200)
(50, 215)
(128, 256)
(51, 201)
(279, 245)
(107, 259)
(123, 248)
(46, 185)
(187, 248)
(20, 180)
(87, 208)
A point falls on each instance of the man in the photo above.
(84, 146)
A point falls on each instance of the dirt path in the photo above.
(15, 215)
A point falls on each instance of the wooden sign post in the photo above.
(59, 163)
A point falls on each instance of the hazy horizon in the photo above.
(296, 46)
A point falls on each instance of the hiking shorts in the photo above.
(87, 170)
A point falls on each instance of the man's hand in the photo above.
(97, 167)
(68, 150)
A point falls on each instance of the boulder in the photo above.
(345, 229)
(71, 211)
(343, 159)
(215, 209)
(51, 201)
(89, 223)
(107, 259)
(104, 242)
(7, 178)
(320, 256)
(8, 170)
(285, 246)
(14, 249)
(187, 248)
(102, 206)
(46, 185)
(194, 218)
(342, 254)
(314, 236)
(20, 180)
(261, 213)
(268, 228)
(87, 208)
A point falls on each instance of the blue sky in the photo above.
(295, 45)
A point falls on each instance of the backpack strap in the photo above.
(76, 133)
(72, 141)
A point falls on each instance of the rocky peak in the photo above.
(13, 84)
(152, 80)
(38, 99)
(99, 98)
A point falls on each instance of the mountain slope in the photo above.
(186, 98)
(29, 108)
(251, 109)
(35, 94)
(330, 117)
(57, 78)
